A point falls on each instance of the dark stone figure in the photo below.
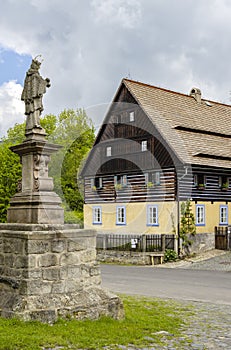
(34, 88)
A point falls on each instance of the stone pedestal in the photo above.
(50, 271)
(35, 201)
(47, 269)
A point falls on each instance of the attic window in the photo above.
(144, 145)
(108, 151)
(131, 116)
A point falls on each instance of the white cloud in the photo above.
(123, 12)
(88, 46)
(11, 106)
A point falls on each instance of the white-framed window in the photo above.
(199, 180)
(152, 215)
(223, 182)
(97, 215)
(96, 183)
(120, 215)
(108, 151)
(200, 215)
(153, 178)
(195, 180)
(157, 178)
(144, 145)
(120, 180)
(131, 116)
(223, 214)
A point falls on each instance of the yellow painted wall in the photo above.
(212, 215)
(136, 217)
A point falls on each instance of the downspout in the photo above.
(178, 207)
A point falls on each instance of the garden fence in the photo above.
(135, 242)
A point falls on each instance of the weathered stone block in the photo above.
(35, 287)
(9, 260)
(88, 255)
(18, 246)
(75, 245)
(73, 272)
(47, 260)
(51, 274)
(58, 288)
(58, 246)
(31, 261)
(73, 286)
(2, 259)
(37, 247)
(70, 259)
(63, 272)
(21, 262)
(32, 273)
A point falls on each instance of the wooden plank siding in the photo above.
(135, 191)
(212, 190)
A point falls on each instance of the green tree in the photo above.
(74, 131)
(10, 173)
(187, 224)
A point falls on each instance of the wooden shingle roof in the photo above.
(198, 132)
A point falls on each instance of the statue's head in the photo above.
(35, 64)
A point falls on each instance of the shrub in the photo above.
(170, 255)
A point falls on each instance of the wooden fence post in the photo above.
(163, 243)
(143, 243)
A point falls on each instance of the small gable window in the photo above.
(118, 119)
(108, 151)
(132, 116)
(144, 145)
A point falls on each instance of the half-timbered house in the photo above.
(155, 149)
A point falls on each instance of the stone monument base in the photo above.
(50, 271)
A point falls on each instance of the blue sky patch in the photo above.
(13, 66)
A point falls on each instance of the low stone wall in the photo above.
(50, 271)
(201, 242)
(123, 257)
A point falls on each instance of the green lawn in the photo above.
(144, 317)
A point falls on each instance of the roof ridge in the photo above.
(172, 91)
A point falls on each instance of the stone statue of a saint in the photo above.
(34, 88)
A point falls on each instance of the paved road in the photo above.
(193, 285)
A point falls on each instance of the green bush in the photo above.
(170, 255)
(73, 217)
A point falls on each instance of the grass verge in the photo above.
(145, 317)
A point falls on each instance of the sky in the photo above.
(88, 46)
